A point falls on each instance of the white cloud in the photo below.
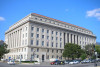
(94, 13)
(2, 18)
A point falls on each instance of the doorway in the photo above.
(42, 58)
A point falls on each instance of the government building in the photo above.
(40, 37)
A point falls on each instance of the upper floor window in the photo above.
(32, 28)
(42, 36)
(52, 32)
(26, 28)
(31, 49)
(60, 45)
(31, 34)
(47, 37)
(37, 35)
(37, 29)
(36, 18)
(60, 34)
(37, 49)
(52, 44)
(47, 50)
(31, 42)
(42, 30)
(47, 43)
(56, 44)
(56, 38)
(60, 39)
(47, 31)
(52, 51)
(37, 42)
(56, 33)
(40, 19)
(42, 43)
(52, 38)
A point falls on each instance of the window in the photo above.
(57, 56)
(23, 35)
(52, 38)
(56, 33)
(52, 56)
(31, 34)
(47, 37)
(40, 19)
(42, 36)
(35, 18)
(61, 51)
(42, 30)
(52, 51)
(60, 39)
(60, 34)
(25, 49)
(47, 43)
(56, 38)
(60, 45)
(57, 51)
(52, 32)
(26, 34)
(56, 44)
(26, 28)
(47, 50)
(37, 35)
(47, 31)
(31, 49)
(37, 29)
(32, 28)
(37, 49)
(48, 57)
(31, 42)
(42, 43)
(37, 43)
(37, 56)
(52, 44)
(25, 41)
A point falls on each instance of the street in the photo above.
(31, 65)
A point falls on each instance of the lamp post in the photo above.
(95, 65)
(20, 59)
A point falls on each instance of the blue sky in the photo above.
(83, 13)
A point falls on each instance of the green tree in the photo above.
(3, 50)
(89, 50)
(72, 51)
(97, 47)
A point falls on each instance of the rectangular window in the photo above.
(67, 37)
(47, 37)
(31, 49)
(56, 38)
(37, 49)
(37, 43)
(47, 31)
(42, 43)
(31, 42)
(47, 43)
(25, 41)
(42, 36)
(52, 32)
(37, 29)
(60, 45)
(37, 56)
(56, 33)
(47, 50)
(37, 35)
(60, 39)
(42, 30)
(32, 28)
(52, 44)
(26, 28)
(31, 34)
(60, 34)
(57, 51)
(26, 34)
(56, 44)
(52, 38)
(23, 35)
(52, 51)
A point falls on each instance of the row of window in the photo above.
(52, 44)
(67, 26)
(32, 28)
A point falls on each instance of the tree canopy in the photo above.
(3, 49)
(72, 51)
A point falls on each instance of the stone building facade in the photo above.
(38, 36)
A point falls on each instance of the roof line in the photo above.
(59, 21)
